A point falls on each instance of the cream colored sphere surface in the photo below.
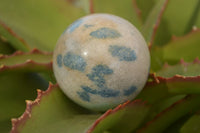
(100, 61)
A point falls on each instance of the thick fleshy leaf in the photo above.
(145, 7)
(161, 23)
(31, 61)
(123, 119)
(197, 21)
(14, 90)
(176, 126)
(177, 20)
(5, 47)
(65, 116)
(183, 68)
(34, 61)
(192, 125)
(120, 8)
(171, 114)
(53, 112)
(39, 23)
(186, 47)
(152, 23)
(161, 88)
(13, 38)
(155, 90)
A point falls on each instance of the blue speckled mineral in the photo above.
(100, 61)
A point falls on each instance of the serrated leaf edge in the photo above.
(16, 122)
(29, 62)
(175, 78)
(33, 51)
(112, 111)
(183, 62)
(193, 31)
(46, 66)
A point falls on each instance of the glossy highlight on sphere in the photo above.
(100, 61)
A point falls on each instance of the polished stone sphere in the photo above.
(100, 61)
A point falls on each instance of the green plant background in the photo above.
(169, 103)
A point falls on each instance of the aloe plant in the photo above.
(169, 102)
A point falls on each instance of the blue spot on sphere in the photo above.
(75, 25)
(97, 76)
(122, 53)
(104, 33)
(98, 73)
(84, 96)
(130, 90)
(108, 93)
(105, 92)
(74, 61)
(59, 60)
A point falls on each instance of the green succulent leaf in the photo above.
(65, 116)
(171, 95)
(13, 38)
(53, 112)
(183, 68)
(177, 20)
(14, 89)
(197, 21)
(120, 8)
(192, 125)
(123, 119)
(161, 88)
(5, 47)
(34, 61)
(171, 114)
(144, 7)
(39, 23)
(152, 23)
(161, 23)
(176, 126)
(185, 47)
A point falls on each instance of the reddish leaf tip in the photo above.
(182, 62)
(154, 77)
(196, 60)
(166, 65)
